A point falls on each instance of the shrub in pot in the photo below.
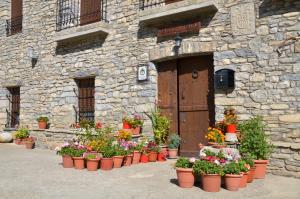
(92, 162)
(244, 168)
(254, 141)
(107, 160)
(20, 135)
(233, 176)
(184, 171)
(66, 151)
(42, 121)
(173, 145)
(77, 156)
(210, 175)
(119, 154)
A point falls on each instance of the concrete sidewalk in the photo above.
(30, 174)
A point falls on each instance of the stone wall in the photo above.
(262, 46)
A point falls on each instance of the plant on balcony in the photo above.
(42, 121)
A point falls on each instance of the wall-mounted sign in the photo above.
(187, 28)
(142, 73)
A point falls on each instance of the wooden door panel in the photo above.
(90, 11)
(167, 92)
(16, 16)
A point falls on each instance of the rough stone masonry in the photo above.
(259, 39)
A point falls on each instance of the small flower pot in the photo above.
(67, 161)
(164, 149)
(118, 161)
(107, 164)
(136, 131)
(126, 125)
(78, 162)
(161, 157)
(173, 153)
(144, 158)
(185, 177)
(42, 125)
(18, 141)
(231, 128)
(92, 164)
(260, 168)
(136, 157)
(251, 174)
(153, 156)
(232, 182)
(29, 145)
(211, 182)
(244, 179)
(128, 160)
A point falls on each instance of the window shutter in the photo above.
(16, 16)
(90, 11)
(86, 99)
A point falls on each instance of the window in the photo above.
(14, 25)
(14, 107)
(86, 99)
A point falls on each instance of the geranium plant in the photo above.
(203, 167)
(232, 168)
(215, 135)
(152, 146)
(184, 162)
(136, 121)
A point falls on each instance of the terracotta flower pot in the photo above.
(67, 161)
(211, 143)
(107, 164)
(29, 145)
(18, 141)
(173, 153)
(153, 156)
(78, 162)
(185, 177)
(118, 161)
(136, 157)
(251, 174)
(128, 160)
(260, 168)
(231, 128)
(92, 164)
(144, 158)
(126, 125)
(164, 149)
(136, 131)
(219, 146)
(42, 125)
(211, 182)
(161, 157)
(244, 179)
(232, 182)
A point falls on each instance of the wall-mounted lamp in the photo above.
(33, 55)
(178, 41)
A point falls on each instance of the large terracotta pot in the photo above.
(136, 131)
(260, 168)
(211, 182)
(144, 158)
(251, 174)
(128, 160)
(118, 161)
(161, 157)
(67, 161)
(126, 125)
(78, 162)
(107, 164)
(244, 179)
(173, 153)
(42, 125)
(231, 128)
(185, 177)
(92, 164)
(29, 145)
(136, 157)
(153, 156)
(232, 182)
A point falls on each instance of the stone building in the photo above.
(57, 54)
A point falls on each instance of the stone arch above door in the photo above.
(188, 48)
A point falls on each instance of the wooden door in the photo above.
(16, 16)
(15, 106)
(196, 102)
(90, 11)
(86, 99)
(167, 92)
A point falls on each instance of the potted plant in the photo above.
(107, 160)
(210, 175)
(144, 156)
(153, 151)
(77, 156)
(249, 160)
(66, 151)
(136, 124)
(42, 121)
(230, 119)
(173, 145)
(232, 176)
(29, 143)
(184, 172)
(254, 141)
(20, 135)
(92, 162)
(119, 154)
(137, 152)
(244, 167)
(215, 137)
(126, 122)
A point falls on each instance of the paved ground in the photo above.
(38, 174)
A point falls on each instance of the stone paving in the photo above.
(36, 174)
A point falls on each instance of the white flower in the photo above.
(202, 154)
(192, 160)
(217, 162)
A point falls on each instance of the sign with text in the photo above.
(187, 28)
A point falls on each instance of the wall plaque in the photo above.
(243, 19)
(142, 73)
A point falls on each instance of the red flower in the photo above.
(98, 125)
